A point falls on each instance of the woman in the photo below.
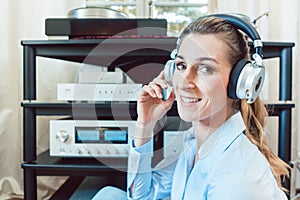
(227, 156)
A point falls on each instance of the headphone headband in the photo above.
(239, 23)
(245, 26)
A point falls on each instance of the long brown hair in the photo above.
(255, 114)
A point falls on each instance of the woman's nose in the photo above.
(188, 78)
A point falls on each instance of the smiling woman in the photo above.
(226, 155)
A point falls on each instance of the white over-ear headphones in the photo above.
(246, 77)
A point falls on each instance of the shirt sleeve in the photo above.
(148, 183)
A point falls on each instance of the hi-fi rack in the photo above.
(76, 50)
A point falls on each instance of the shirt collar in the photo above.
(221, 138)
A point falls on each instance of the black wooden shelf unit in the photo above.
(125, 53)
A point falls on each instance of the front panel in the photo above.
(90, 138)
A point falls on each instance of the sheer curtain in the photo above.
(21, 20)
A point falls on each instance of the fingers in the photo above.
(161, 75)
(159, 81)
(171, 97)
(154, 88)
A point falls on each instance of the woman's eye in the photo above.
(205, 69)
(180, 66)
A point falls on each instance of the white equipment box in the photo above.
(98, 92)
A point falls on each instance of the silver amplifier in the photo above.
(90, 138)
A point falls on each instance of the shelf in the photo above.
(93, 50)
(119, 110)
(273, 49)
(56, 166)
(276, 108)
(78, 49)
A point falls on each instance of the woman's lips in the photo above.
(190, 99)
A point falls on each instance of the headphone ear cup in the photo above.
(234, 78)
(246, 81)
(169, 71)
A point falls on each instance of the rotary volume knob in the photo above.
(62, 136)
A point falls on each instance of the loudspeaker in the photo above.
(246, 77)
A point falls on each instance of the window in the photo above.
(177, 12)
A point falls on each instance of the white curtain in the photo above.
(24, 20)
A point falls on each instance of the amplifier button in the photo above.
(116, 152)
(78, 151)
(62, 136)
(106, 151)
(125, 151)
(97, 151)
(67, 91)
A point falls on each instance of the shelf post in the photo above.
(30, 183)
(29, 73)
(285, 116)
(285, 86)
(29, 135)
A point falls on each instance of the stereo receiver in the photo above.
(90, 138)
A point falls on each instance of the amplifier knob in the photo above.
(62, 136)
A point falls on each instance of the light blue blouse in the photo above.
(229, 167)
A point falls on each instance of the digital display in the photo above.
(88, 136)
(115, 135)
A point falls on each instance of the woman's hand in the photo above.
(151, 108)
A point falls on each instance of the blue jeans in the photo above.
(109, 193)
